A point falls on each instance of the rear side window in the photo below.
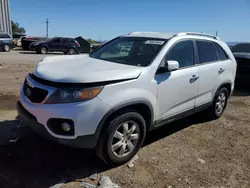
(4, 36)
(66, 41)
(207, 52)
(72, 41)
(183, 52)
(221, 53)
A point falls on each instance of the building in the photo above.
(5, 22)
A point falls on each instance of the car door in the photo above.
(56, 44)
(66, 45)
(177, 89)
(209, 67)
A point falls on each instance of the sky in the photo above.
(106, 19)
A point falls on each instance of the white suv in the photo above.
(109, 101)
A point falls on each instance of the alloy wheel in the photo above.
(220, 103)
(125, 138)
(6, 48)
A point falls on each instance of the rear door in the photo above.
(66, 44)
(209, 66)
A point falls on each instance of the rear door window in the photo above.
(221, 53)
(207, 52)
(57, 41)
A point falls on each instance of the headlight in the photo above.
(70, 95)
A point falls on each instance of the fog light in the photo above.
(66, 127)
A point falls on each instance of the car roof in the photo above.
(170, 35)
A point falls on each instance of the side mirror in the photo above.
(172, 65)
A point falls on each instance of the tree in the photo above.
(16, 29)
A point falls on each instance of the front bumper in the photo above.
(86, 116)
(88, 141)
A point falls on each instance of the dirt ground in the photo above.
(193, 152)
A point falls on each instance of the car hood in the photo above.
(83, 69)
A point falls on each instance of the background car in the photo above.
(242, 55)
(57, 44)
(26, 41)
(6, 42)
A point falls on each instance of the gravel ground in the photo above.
(193, 152)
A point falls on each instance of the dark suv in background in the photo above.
(57, 44)
(241, 53)
(6, 42)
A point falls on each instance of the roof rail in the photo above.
(198, 34)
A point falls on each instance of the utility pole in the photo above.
(47, 27)
(217, 33)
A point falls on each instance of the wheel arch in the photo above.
(143, 107)
(227, 85)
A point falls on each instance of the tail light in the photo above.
(77, 44)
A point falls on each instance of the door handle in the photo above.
(221, 70)
(193, 79)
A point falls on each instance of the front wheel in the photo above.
(122, 138)
(43, 50)
(6, 48)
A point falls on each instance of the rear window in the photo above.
(207, 52)
(4, 36)
(72, 41)
(221, 53)
(66, 41)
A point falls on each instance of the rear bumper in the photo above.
(87, 141)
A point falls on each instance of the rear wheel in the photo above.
(6, 48)
(72, 51)
(122, 139)
(219, 103)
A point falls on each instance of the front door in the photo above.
(177, 90)
(56, 44)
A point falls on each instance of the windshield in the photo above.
(244, 47)
(136, 51)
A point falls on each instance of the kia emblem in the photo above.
(28, 92)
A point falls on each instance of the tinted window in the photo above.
(221, 53)
(136, 51)
(66, 41)
(4, 35)
(57, 41)
(183, 52)
(243, 47)
(207, 52)
(72, 41)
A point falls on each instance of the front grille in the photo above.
(35, 94)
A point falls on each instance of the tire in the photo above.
(6, 48)
(125, 129)
(72, 51)
(43, 50)
(220, 103)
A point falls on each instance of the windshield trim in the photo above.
(147, 38)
